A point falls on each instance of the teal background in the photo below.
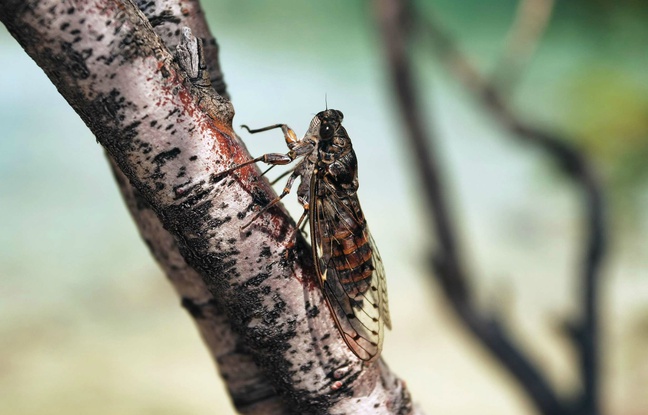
(89, 324)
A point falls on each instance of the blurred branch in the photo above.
(531, 20)
(575, 166)
(395, 20)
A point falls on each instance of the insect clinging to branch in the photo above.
(347, 262)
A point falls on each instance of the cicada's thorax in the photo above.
(351, 253)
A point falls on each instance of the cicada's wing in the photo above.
(350, 271)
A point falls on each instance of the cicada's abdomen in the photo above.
(351, 253)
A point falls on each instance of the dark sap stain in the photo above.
(145, 148)
(170, 114)
(265, 252)
(306, 367)
(165, 156)
(256, 280)
(157, 176)
(313, 312)
(218, 222)
(76, 61)
(259, 197)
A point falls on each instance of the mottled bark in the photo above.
(251, 391)
(169, 137)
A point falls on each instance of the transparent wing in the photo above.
(350, 271)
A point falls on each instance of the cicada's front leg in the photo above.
(292, 236)
(274, 201)
(297, 148)
(289, 135)
(275, 159)
(303, 196)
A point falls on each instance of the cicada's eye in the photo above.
(339, 114)
(326, 131)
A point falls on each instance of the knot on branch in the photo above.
(191, 59)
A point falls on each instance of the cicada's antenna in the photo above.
(326, 101)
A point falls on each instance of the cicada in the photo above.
(348, 265)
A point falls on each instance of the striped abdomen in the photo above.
(351, 254)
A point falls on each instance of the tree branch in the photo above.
(531, 20)
(168, 17)
(575, 166)
(394, 19)
(250, 390)
(170, 138)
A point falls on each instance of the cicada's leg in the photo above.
(289, 134)
(271, 158)
(292, 237)
(297, 148)
(276, 200)
(275, 159)
(304, 217)
(281, 176)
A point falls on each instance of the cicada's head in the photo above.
(330, 121)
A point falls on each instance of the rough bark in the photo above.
(250, 389)
(170, 137)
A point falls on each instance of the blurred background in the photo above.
(88, 322)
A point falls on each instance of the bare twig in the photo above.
(575, 166)
(531, 20)
(395, 17)
(446, 261)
